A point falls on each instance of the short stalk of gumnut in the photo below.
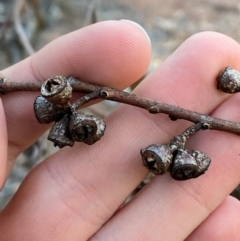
(179, 141)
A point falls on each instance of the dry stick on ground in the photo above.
(152, 106)
(19, 28)
(37, 12)
(91, 15)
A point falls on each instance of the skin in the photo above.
(76, 193)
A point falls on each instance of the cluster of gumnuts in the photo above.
(72, 125)
(182, 164)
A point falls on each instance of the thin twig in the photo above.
(4, 28)
(84, 100)
(19, 28)
(112, 94)
(90, 16)
(37, 12)
(11, 86)
(174, 112)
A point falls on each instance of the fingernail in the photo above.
(139, 26)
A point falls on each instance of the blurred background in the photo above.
(27, 25)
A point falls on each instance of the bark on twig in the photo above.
(112, 94)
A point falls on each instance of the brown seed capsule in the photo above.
(157, 158)
(86, 128)
(46, 112)
(203, 161)
(184, 166)
(188, 164)
(59, 133)
(57, 90)
(229, 81)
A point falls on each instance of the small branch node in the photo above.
(153, 110)
(206, 126)
(173, 118)
(104, 94)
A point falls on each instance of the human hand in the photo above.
(75, 193)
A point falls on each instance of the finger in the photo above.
(94, 190)
(167, 201)
(223, 224)
(171, 209)
(184, 205)
(112, 53)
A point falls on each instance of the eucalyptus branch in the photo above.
(112, 94)
(71, 125)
